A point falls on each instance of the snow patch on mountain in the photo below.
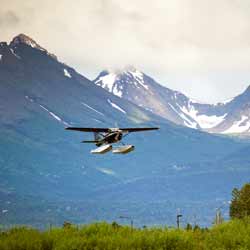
(66, 73)
(29, 98)
(51, 113)
(243, 125)
(116, 107)
(212, 121)
(1, 57)
(108, 82)
(91, 108)
(116, 91)
(17, 56)
(139, 77)
(116, 81)
(204, 121)
(187, 121)
(173, 108)
(33, 45)
(54, 115)
(96, 120)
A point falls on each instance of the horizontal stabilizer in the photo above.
(89, 141)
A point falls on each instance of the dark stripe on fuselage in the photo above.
(112, 137)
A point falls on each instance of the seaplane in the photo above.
(104, 138)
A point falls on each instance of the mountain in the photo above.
(137, 87)
(39, 97)
(131, 84)
(236, 113)
(48, 176)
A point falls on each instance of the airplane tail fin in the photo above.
(97, 136)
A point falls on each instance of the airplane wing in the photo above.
(137, 129)
(109, 129)
(89, 129)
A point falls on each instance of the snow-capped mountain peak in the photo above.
(230, 116)
(137, 87)
(119, 81)
(107, 80)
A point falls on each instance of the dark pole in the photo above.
(195, 220)
(178, 220)
(128, 218)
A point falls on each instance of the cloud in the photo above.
(9, 19)
(190, 45)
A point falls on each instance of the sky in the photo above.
(198, 47)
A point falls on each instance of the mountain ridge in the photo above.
(139, 88)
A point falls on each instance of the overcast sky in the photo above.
(199, 47)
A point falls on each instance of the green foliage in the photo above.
(189, 227)
(240, 204)
(67, 224)
(233, 235)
